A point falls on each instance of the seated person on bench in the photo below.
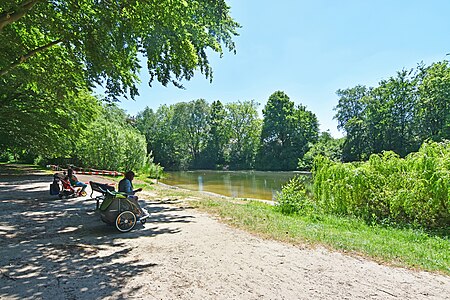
(126, 186)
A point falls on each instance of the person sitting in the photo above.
(126, 187)
(75, 182)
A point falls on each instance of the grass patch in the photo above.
(12, 169)
(144, 179)
(399, 247)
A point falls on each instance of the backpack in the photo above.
(54, 188)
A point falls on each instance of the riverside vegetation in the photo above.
(390, 209)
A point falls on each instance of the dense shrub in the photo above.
(111, 143)
(294, 197)
(150, 169)
(413, 190)
(6, 156)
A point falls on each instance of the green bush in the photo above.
(387, 188)
(294, 197)
(150, 169)
(6, 156)
(111, 143)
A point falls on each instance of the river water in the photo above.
(239, 184)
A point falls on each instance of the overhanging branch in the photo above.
(23, 58)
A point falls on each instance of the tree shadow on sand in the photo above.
(60, 249)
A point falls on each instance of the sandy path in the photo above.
(59, 249)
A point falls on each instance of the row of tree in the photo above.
(398, 115)
(202, 136)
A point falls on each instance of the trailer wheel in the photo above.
(125, 221)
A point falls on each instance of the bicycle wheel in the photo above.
(125, 221)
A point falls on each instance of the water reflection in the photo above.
(242, 184)
(200, 183)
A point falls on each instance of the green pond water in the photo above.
(239, 184)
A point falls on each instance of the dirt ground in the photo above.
(60, 249)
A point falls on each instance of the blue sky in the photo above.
(310, 49)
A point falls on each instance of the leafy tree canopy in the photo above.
(244, 128)
(287, 131)
(399, 114)
(38, 123)
(100, 41)
(111, 143)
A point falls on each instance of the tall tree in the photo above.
(351, 118)
(176, 134)
(286, 133)
(190, 122)
(433, 109)
(275, 135)
(50, 51)
(398, 115)
(213, 155)
(244, 131)
(146, 123)
(305, 131)
(389, 115)
(163, 143)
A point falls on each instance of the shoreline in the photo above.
(270, 202)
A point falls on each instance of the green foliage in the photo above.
(41, 122)
(399, 114)
(217, 138)
(195, 135)
(102, 39)
(286, 133)
(150, 169)
(350, 117)
(387, 188)
(176, 134)
(326, 146)
(6, 156)
(53, 53)
(433, 109)
(110, 143)
(294, 198)
(191, 123)
(159, 133)
(244, 129)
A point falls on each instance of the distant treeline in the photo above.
(398, 115)
(197, 135)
